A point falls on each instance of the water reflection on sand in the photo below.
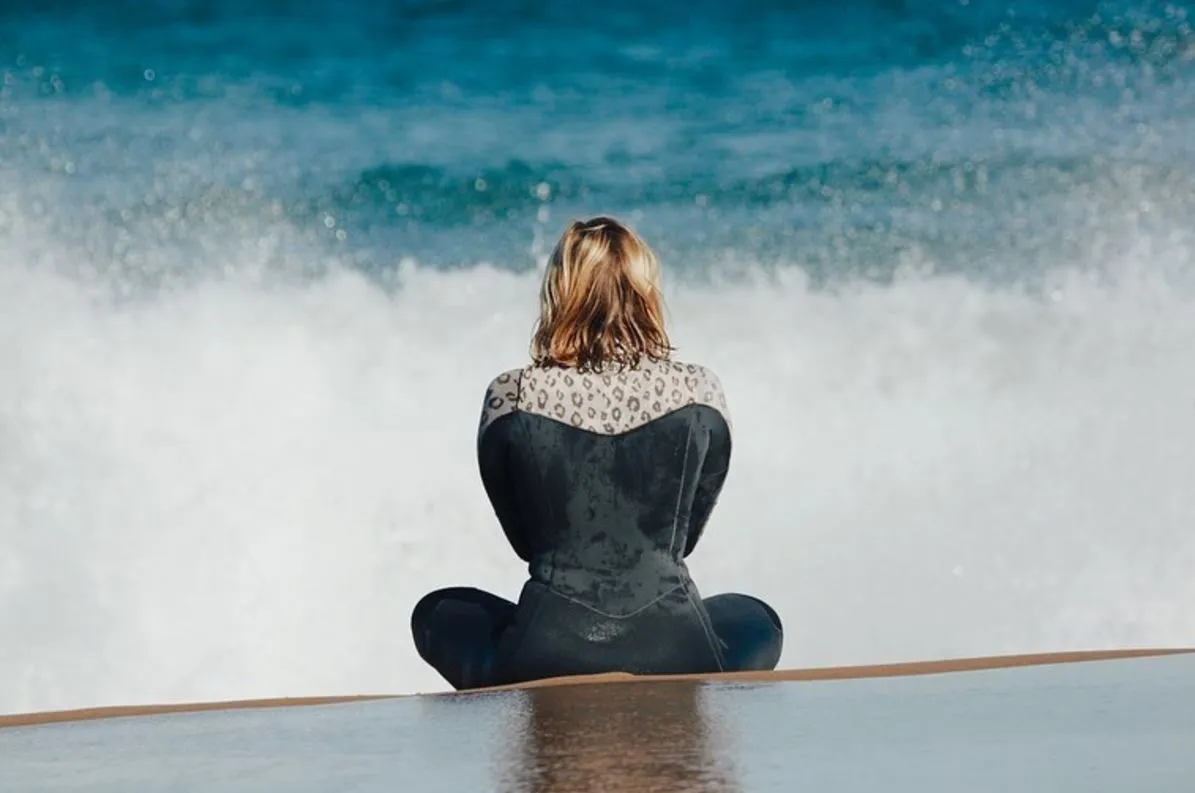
(647, 739)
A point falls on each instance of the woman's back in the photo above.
(605, 480)
(602, 459)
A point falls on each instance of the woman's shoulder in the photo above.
(697, 383)
(698, 372)
(501, 396)
(611, 402)
(615, 398)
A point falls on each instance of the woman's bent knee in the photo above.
(750, 629)
(773, 617)
(456, 631)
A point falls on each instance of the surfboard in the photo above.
(1078, 721)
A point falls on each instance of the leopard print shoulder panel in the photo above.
(607, 403)
(501, 397)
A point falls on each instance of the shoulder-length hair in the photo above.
(600, 301)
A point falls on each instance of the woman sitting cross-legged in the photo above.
(602, 458)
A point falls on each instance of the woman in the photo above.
(602, 459)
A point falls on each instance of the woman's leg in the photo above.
(750, 630)
(457, 631)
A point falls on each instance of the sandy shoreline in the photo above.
(815, 673)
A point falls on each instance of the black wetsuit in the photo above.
(603, 484)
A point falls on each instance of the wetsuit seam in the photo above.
(710, 636)
(515, 633)
(596, 610)
(680, 492)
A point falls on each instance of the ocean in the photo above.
(259, 260)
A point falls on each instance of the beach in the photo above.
(258, 262)
(782, 675)
(1078, 722)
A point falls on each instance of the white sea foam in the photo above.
(233, 489)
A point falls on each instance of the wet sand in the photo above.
(809, 674)
(1122, 721)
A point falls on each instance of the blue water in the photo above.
(257, 261)
(839, 137)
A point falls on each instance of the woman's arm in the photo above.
(709, 486)
(494, 460)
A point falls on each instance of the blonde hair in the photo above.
(600, 302)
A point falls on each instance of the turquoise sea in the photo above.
(258, 261)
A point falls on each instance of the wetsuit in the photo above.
(603, 484)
